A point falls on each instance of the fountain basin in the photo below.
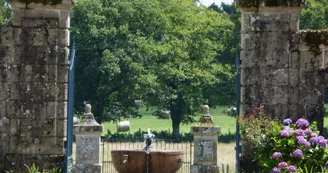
(135, 161)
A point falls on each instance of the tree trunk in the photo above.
(176, 126)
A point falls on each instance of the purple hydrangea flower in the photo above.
(301, 141)
(284, 133)
(299, 132)
(322, 143)
(302, 123)
(288, 129)
(276, 155)
(314, 140)
(298, 153)
(326, 165)
(291, 168)
(321, 138)
(282, 165)
(275, 170)
(308, 131)
(307, 144)
(287, 121)
(300, 137)
(314, 135)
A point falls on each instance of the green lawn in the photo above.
(149, 121)
(226, 123)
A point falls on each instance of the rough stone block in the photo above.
(3, 91)
(62, 110)
(13, 73)
(38, 22)
(52, 74)
(293, 77)
(3, 109)
(6, 54)
(35, 55)
(280, 95)
(278, 58)
(15, 92)
(294, 60)
(280, 110)
(252, 94)
(324, 60)
(64, 37)
(267, 21)
(52, 91)
(3, 72)
(204, 169)
(4, 144)
(52, 55)
(26, 73)
(18, 36)
(38, 91)
(277, 77)
(293, 111)
(7, 35)
(42, 161)
(265, 41)
(64, 19)
(87, 149)
(39, 109)
(34, 36)
(308, 60)
(14, 127)
(63, 54)
(294, 95)
(13, 108)
(40, 73)
(95, 168)
(56, 110)
(40, 145)
(63, 73)
(62, 95)
(53, 37)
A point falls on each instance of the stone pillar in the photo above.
(33, 84)
(87, 135)
(269, 75)
(205, 144)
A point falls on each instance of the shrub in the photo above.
(283, 146)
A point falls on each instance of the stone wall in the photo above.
(33, 80)
(282, 68)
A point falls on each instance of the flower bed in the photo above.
(283, 146)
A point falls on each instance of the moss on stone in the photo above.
(45, 2)
(270, 3)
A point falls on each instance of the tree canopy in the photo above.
(162, 52)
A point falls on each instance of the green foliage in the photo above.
(264, 137)
(161, 52)
(315, 15)
(5, 12)
(34, 169)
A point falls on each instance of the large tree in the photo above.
(162, 52)
(315, 15)
(5, 12)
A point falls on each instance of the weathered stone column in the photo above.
(205, 144)
(33, 84)
(87, 135)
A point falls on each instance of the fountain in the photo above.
(147, 160)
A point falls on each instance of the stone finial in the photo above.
(206, 109)
(88, 117)
(206, 118)
(87, 108)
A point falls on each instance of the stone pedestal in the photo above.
(88, 144)
(205, 144)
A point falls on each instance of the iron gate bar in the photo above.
(68, 164)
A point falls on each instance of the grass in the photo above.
(226, 123)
